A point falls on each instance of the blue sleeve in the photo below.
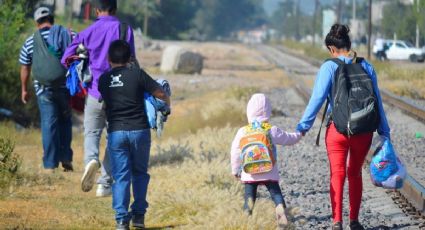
(383, 128)
(321, 91)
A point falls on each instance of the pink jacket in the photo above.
(259, 108)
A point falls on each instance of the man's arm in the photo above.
(70, 50)
(25, 75)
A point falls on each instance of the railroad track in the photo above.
(411, 198)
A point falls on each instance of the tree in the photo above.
(175, 19)
(12, 24)
(291, 23)
(399, 19)
(138, 12)
(219, 18)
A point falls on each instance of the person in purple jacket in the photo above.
(96, 39)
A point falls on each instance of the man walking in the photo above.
(41, 53)
(96, 39)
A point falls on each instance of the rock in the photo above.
(176, 59)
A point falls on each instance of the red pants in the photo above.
(338, 146)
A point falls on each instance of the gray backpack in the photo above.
(46, 67)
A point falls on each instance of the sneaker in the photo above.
(103, 190)
(121, 225)
(355, 225)
(282, 221)
(89, 176)
(67, 166)
(138, 221)
(337, 226)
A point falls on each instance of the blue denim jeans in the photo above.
(56, 126)
(274, 190)
(129, 157)
(94, 123)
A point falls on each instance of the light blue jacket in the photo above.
(322, 89)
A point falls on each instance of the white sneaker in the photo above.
(103, 190)
(89, 176)
(282, 221)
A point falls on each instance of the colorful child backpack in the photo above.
(257, 153)
(386, 169)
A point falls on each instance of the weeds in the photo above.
(409, 82)
(9, 163)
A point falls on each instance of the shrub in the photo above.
(12, 26)
(9, 163)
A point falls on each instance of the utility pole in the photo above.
(369, 30)
(339, 14)
(316, 6)
(146, 18)
(297, 19)
(417, 23)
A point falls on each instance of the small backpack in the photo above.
(46, 67)
(257, 153)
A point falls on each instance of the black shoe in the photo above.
(355, 225)
(138, 221)
(122, 225)
(67, 166)
(337, 226)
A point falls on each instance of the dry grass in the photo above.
(402, 78)
(191, 186)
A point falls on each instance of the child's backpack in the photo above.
(386, 169)
(257, 150)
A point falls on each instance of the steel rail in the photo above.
(410, 198)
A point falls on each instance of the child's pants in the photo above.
(129, 158)
(272, 186)
(337, 146)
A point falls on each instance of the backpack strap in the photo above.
(123, 31)
(336, 60)
(321, 123)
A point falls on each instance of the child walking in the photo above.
(244, 154)
(129, 137)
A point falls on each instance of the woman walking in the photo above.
(345, 140)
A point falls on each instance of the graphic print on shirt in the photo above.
(116, 82)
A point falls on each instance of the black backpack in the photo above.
(123, 36)
(355, 105)
(46, 67)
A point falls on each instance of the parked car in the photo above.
(402, 50)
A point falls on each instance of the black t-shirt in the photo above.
(122, 90)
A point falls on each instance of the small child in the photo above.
(129, 135)
(258, 113)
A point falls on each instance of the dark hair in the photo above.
(119, 52)
(49, 18)
(338, 37)
(106, 5)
